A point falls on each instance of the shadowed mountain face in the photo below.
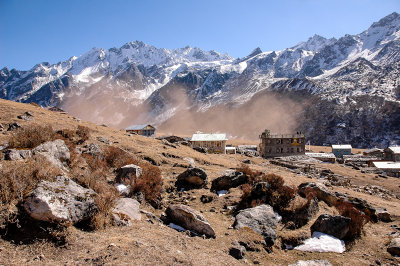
(342, 90)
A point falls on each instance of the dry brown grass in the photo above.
(83, 133)
(31, 136)
(275, 193)
(117, 157)
(150, 184)
(18, 178)
(358, 219)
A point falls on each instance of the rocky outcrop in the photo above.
(14, 154)
(192, 178)
(189, 219)
(60, 200)
(336, 226)
(334, 199)
(229, 180)
(261, 219)
(125, 211)
(128, 173)
(56, 152)
(318, 190)
(394, 247)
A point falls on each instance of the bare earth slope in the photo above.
(146, 243)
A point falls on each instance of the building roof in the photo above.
(387, 165)
(373, 150)
(395, 149)
(208, 137)
(138, 127)
(339, 147)
(230, 148)
(321, 155)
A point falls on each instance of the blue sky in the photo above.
(51, 31)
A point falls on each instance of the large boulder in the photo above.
(56, 152)
(14, 154)
(61, 200)
(128, 173)
(192, 178)
(336, 226)
(125, 211)
(318, 190)
(189, 219)
(261, 219)
(229, 180)
(394, 247)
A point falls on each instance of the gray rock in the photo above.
(56, 152)
(128, 173)
(311, 263)
(383, 215)
(261, 219)
(336, 226)
(13, 126)
(192, 178)
(61, 200)
(190, 161)
(14, 154)
(125, 211)
(94, 150)
(190, 219)
(27, 116)
(103, 139)
(237, 251)
(229, 180)
(394, 247)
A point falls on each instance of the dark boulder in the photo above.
(229, 180)
(192, 178)
(336, 226)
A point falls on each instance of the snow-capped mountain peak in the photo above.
(314, 43)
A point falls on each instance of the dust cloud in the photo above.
(101, 105)
(246, 121)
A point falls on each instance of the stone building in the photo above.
(213, 143)
(278, 145)
(144, 130)
(392, 154)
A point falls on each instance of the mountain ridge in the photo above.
(155, 84)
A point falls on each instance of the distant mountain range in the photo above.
(342, 90)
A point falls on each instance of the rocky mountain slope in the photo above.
(340, 90)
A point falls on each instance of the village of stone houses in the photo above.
(74, 192)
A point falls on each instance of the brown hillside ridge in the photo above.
(150, 241)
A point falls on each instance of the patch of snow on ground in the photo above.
(320, 242)
(177, 227)
(221, 193)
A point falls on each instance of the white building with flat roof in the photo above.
(340, 150)
(214, 143)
